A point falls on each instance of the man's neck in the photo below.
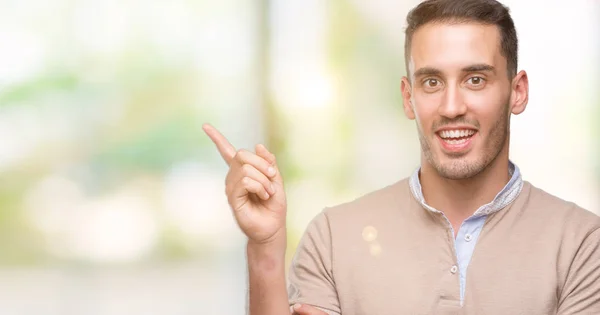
(459, 199)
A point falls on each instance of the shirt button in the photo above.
(468, 237)
(454, 269)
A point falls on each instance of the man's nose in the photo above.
(453, 104)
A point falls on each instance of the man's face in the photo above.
(460, 95)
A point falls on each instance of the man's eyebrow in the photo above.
(480, 67)
(427, 71)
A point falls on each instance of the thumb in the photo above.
(262, 151)
(304, 309)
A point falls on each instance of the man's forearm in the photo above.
(266, 268)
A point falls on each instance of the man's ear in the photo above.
(520, 93)
(406, 97)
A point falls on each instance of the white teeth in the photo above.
(456, 141)
(456, 133)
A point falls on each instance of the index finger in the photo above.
(225, 148)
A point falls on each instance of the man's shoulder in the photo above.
(389, 199)
(554, 208)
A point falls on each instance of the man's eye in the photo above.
(475, 80)
(431, 82)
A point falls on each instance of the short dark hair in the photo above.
(488, 12)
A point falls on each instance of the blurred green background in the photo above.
(112, 198)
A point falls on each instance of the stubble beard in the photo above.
(459, 167)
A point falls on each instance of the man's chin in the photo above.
(457, 168)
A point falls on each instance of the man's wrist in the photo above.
(268, 255)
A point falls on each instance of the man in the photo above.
(464, 234)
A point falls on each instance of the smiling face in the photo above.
(461, 96)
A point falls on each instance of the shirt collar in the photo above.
(507, 195)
